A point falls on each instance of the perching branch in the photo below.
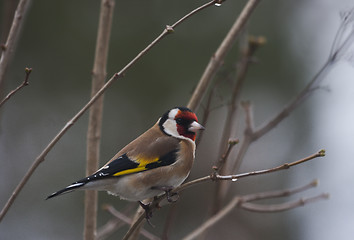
(9, 47)
(215, 177)
(96, 114)
(24, 83)
(244, 203)
(71, 122)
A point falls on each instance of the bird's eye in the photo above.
(179, 121)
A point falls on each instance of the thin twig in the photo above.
(284, 166)
(306, 92)
(23, 84)
(216, 218)
(9, 47)
(96, 114)
(245, 143)
(205, 116)
(207, 108)
(69, 124)
(221, 161)
(169, 221)
(253, 207)
(234, 177)
(280, 193)
(198, 9)
(217, 59)
(243, 202)
(346, 19)
(247, 50)
(135, 226)
(128, 220)
(109, 228)
(112, 225)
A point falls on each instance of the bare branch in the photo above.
(198, 9)
(221, 161)
(169, 221)
(247, 139)
(217, 59)
(280, 193)
(214, 219)
(253, 207)
(78, 115)
(243, 202)
(96, 114)
(135, 226)
(248, 49)
(127, 220)
(306, 92)
(12, 38)
(24, 83)
(321, 153)
(109, 228)
(284, 166)
(207, 108)
(205, 116)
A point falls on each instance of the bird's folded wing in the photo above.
(120, 166)
(123, 165)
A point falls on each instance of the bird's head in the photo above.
(180, 122)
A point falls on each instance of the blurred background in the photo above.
(58, 42)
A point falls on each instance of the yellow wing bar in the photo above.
(141, 167)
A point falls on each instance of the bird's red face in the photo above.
(180, 123)
(184, 121)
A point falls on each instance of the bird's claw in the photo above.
(169, 193)
(148, 212)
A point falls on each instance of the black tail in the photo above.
(68, 189)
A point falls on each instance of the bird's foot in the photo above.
(148, 212)
(169, 195)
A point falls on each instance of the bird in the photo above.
(154, 163)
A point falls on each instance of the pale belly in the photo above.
(137, 186)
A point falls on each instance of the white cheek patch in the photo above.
(170, 128)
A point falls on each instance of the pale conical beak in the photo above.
(195, 126)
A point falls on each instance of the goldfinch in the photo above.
(157, 161)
